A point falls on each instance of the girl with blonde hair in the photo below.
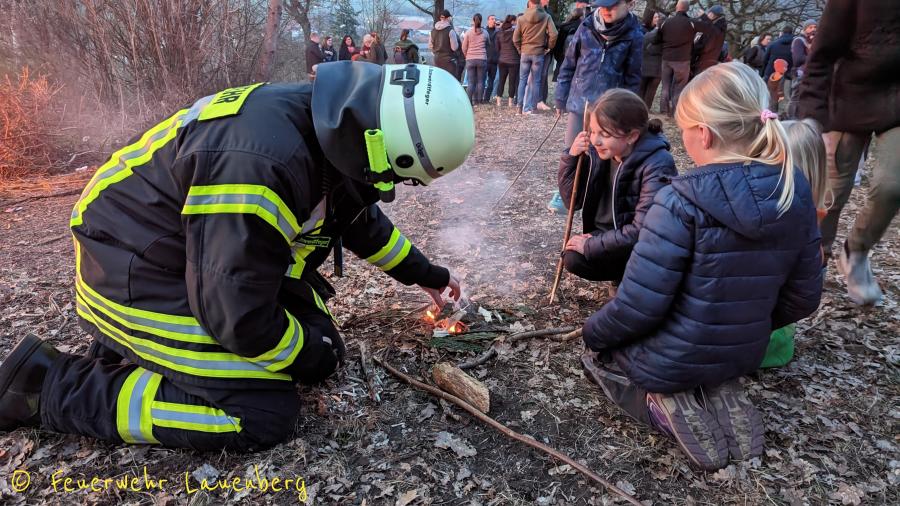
(727, 253)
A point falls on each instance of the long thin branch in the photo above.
(556, 454)
(491, 352)
(423, 9)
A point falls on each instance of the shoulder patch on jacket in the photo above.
(227, 102)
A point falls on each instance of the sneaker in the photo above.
(556, 204)
(542, 106)
(695, 430)
(527, 112)
(861, 285)
(740, 420)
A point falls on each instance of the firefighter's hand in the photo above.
(581, 144)
(576, 243)
(437, 295)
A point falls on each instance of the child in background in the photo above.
(629, 161)
(728, 252)
(808, 148)
(776, 84)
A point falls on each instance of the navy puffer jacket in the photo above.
(714, 272)
(648, 168)
(594, 64)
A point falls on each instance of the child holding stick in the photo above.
(728, 252)
(629, 162)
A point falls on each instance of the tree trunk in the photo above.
(270, 42)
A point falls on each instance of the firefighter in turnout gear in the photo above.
(197, 247)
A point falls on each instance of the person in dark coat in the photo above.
(566, 31)
(348, 49)
(507, 61)
(629, 162)
(677, 38)
(314, 55)
(852, 88)
(708, 48)
(377, 53)
(800, 48)
(756, 55)
(727, 253)
(651, 66)
(328, 51)
(779, 48)
(493, 58)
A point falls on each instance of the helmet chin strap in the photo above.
(379, 172)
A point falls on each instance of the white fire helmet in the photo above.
(427, 120)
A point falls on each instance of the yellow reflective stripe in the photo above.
(395, 236)
(321, 305)
(168, 357)
(197, 418)
(284, 353)
(299, 252)
(244, 199)
(200, 337)
(120, 164)
(133, 406)
(400, 256)
(227, 102)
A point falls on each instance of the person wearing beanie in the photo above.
(800, 48)
(708, 48)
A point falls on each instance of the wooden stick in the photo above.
(571, 215)
(366, 371)
(492, 352)
(552, 452)
(525, 165)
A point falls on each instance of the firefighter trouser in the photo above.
(102, 396)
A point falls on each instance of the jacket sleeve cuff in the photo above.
(593, 248)
(436, 277)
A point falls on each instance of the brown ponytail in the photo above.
(619, 112)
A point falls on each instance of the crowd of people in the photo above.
(198, 346)
(321, 50)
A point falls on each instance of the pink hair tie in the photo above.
(766, 115)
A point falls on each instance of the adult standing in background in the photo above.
(566, 31)
(652, 65)
(544, 89)
(347, 49)
(492, 58)
(508, 61)
(780, 49)
(534, 36)
(713, 25)
(444, 44)
(851, 86)
(328, 51)
(314, 55)
(677, 37)
(377, 52)
(474, 49)
(755, 56)
(800, 48)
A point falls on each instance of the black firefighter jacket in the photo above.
(195, 242)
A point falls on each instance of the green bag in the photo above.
(781, 347)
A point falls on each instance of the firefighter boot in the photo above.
(21, 379)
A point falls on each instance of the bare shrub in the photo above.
(26, 125)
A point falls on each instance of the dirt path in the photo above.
(832, 415)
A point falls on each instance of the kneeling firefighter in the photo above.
(197, 247)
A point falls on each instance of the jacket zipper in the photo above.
(615, 182)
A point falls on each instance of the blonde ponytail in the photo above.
(731, 100)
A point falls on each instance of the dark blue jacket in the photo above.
(594, 65)
(779, 48)
(714, 272)
(648, 168)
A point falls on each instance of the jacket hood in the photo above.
(341, 114)
(743, 197)
(440, 25)
(647, 144)
(533, 15)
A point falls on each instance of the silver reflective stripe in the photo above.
(317, 215)
(210, 365)
(392, 254)
(205, 419)
(134, 407)
(195, 330)
(409, 107)
(286, 352)
(243, 198)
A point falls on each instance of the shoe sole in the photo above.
(741, 422)
(843, 268)
(24, 349)
(682, 417)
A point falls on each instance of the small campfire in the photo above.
(446, 325)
